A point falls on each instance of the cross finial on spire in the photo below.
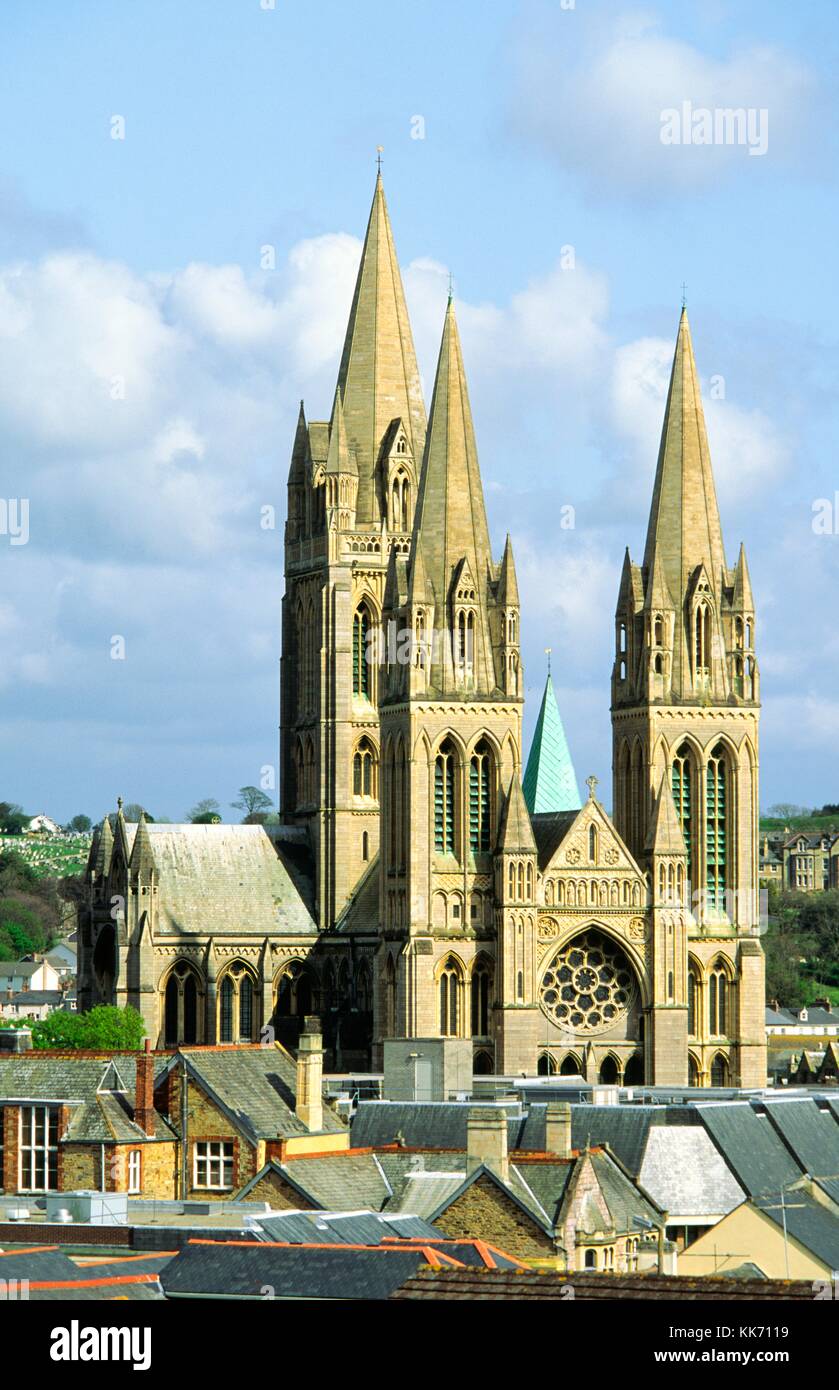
(451, 287)
(548, 655)
(119, 803)
(380, 149)
(591, 783)
(684, 295)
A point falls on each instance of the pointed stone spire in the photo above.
(300, 450)
(684, 529)
(743, 599)
(665, 835)
(378, 377)
(450, 526)
(339, 458)
(516, 833)
(550, 783)
(104, 847)
(451, 522)
(508, 589)
(142, 855)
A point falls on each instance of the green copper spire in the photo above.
(550, 783)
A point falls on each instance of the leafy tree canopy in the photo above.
(98, 1030)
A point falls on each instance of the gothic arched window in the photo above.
(715, 825)
(683, 797)
(365, 769)
(693, 1001)
(236, 1005)
(444, 798)
(720, 1071)
(450, 983)
(361, 665)
(481, 979)
(718, 1003)
(702, 641)
(181, 1023)
(480, 767)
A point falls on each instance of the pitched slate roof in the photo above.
(42, 1076)
(549, 830)
(686, 1174)
(624, 1128)
(214, 879)
(750, 1145)
(550, 782)
(244, 1269)
(108, 1118)
(343, 1228)
(421, 1124)
(42, 1262)
(425, 1193)
(339, 1182)
(256, 1088)
(811, 1134)
(808, 1221)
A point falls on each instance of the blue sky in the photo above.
(139, 259)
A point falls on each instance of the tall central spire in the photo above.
(684, 529)
(378, 378)
(451, 523)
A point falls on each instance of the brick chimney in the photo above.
(309, 1105)
(144, 1094)
(558, 1128)
(486, 1140)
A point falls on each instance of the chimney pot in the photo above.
(309, 1103)
(558, 1128)
(144, 1115)
(486, 1140)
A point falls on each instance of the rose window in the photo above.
(588, 985)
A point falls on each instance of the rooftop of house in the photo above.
(242, 1269)
(518, 1285)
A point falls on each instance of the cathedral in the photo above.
(418, 885)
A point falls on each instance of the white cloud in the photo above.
(592, 92)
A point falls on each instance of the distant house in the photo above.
(32, 1003)
(43, 825)
(17, 977)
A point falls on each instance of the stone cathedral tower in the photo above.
(685, 707)
(451, 740)
(352, 489)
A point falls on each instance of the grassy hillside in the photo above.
(50, 856)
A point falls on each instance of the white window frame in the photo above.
(212, 1164)
(135, 1171)
(29, 1148)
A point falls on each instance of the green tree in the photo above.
(205, 812)
(100, 1029)
(13, 818)
(254, 803)
(80, 824)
